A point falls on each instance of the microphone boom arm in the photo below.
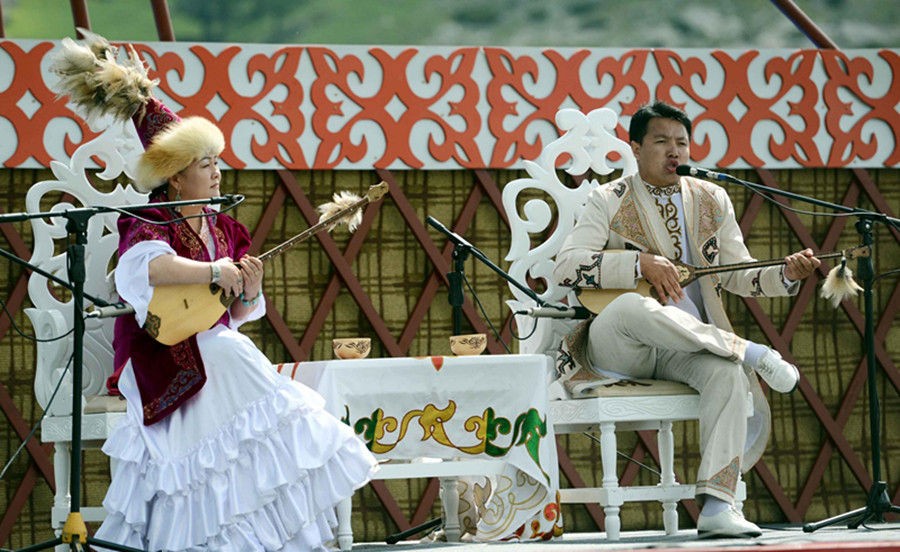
(460, 242)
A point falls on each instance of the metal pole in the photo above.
(80, 15)
(806, 25)
(163, 20)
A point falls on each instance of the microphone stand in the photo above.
(877, 503)
(74, 532)
(461, 251)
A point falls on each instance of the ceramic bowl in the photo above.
(464, 345)
(351, 347)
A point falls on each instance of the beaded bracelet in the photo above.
(253, 301)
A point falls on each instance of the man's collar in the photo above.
(665, 191)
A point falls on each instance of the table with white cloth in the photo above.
(457, 409)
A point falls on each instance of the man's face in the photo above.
(665, 146)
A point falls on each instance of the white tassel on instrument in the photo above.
(839, 284)
(342, 201)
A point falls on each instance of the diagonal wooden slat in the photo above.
(341, 265)
(809, 286)
(39, 455)
(20, 498)
(13, 304)
(330, 295)
(393, 509)
(853, 312)
(441, 263)
(263, 227)
(568, 469)
(834, 430)
(854, 390)
(423, 510)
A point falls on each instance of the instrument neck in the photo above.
(331, 221)
(756, 264)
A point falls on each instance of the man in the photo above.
(630, 229)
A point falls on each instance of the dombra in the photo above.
(595, 300)
(176, 312)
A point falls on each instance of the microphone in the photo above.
(687, 170)
(228, 199)
(578, 313)
(454, 237)
(116, 309)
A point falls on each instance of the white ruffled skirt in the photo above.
(251, 462)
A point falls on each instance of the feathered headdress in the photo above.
(95, 82)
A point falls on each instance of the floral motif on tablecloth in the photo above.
(527, 431)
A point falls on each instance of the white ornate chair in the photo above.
(589, 139)
(52, 314)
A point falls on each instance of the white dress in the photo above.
(251, 462)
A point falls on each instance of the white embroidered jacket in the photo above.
(621, 215)
(620, 220)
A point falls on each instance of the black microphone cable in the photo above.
(484, 314)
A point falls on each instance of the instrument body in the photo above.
(176, 312)
(595, 300)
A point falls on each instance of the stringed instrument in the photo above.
(176, 312)
(595, 300)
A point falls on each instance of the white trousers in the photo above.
(637, 337)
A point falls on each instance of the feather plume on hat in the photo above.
(95, 82)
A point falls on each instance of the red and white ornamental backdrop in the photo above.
(404, 107)
(490, 108)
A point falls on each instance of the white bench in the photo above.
(589, 140)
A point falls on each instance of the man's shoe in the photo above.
(782, 376)
(729, 523)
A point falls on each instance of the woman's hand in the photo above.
(231, 280)
(252, 273)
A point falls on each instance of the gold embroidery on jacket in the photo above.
(627, 223)
(710, 214)
(668, 210)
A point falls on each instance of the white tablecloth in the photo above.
(487, 406)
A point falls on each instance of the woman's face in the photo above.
(200, 180)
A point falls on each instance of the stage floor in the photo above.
(880, 538)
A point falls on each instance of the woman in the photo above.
(218, 451)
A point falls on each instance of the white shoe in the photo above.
(727, 523)
(782, 376)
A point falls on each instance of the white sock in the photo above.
(754, 352)
(713, 506)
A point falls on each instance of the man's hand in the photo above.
(660, 272)
(799, 265)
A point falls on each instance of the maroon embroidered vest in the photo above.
(168, 376)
